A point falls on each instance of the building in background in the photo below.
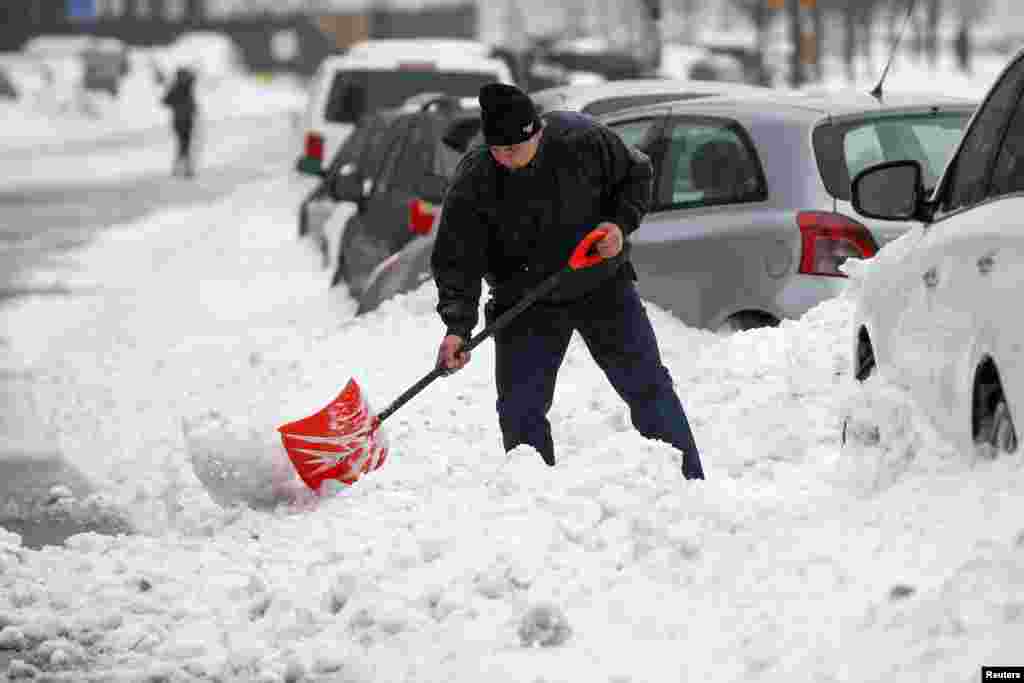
(282, 35)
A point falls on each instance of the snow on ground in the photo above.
(228, 112)
(196, 332)
(797, 557)
(217, 144)
(86, 116)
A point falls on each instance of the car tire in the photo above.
(1003, 432)
(865, 361)
(997, 432)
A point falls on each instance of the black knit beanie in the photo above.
(508, 114)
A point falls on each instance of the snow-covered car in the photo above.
(368, 79)
(399, 201)
(938, 311)
(103, 61)
(321, 216)
(214, 56)
(423, 46)
(27, 76)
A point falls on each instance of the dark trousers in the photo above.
(615, 327)
(183, 128)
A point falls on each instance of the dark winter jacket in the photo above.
(514, 228)
(181, 99)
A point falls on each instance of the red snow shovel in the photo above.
(344, 441)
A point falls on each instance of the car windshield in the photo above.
(356, 143)
(354, 93)
(846, 148)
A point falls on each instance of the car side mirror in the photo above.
(891, 191)
(347, 187)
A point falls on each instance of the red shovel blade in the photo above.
(343, 441)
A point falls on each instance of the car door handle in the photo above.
(931, 278)
(985, 264)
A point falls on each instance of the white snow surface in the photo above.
(196, 332)
(52, 118)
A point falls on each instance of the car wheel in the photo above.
(746, 320)
(997, 432)
(994, 432)
(1003, 433)
(865, 361)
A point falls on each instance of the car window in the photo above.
(708, 162)
(355, 92)
(447, 160)
(457, 136)
(929, 140)
(1008, 175)
(389, 163)
(633, 132)
(352, 149)
(846, 148)
(969, 174)
(380, 136)
(417, 156)
(461, 132)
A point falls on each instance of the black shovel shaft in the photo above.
(501, 321)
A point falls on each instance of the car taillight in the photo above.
(315, 146)
(421, 216)
(828, 239)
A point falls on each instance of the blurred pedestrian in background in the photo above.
(181, 99)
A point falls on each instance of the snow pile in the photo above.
(798, 557)
(836, 538)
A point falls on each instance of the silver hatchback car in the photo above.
(751, 216)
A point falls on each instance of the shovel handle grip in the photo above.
(580, 259)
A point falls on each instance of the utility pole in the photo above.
(796, 62)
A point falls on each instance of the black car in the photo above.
(361, 153)
(399, 201)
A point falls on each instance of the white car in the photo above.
(374, 76)
(939, 310)
(429, 46)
